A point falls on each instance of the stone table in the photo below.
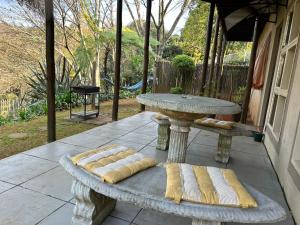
(183, 110)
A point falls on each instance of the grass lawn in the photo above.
(37, 133)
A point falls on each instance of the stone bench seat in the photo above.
(224, 141)
(225, 138)
(237, 130)
(96, 199)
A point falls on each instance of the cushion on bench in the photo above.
(113, 163)
(215, 123)
(206, 185)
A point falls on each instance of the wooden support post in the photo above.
(118, 61)
(146, 50)
(207, 47)
(213, 57)
(219, 73)
(250, 72)
(50, 41)
(218, 63)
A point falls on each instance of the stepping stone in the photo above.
(18, 135)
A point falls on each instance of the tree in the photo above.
(165, 8)
(194, 32)
(193, 36)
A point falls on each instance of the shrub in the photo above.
(127, 94)
(4, 120)
(39, 108)
(26, 114)
(63, 100)
(176, 90)
(184, 63)
(239, 95)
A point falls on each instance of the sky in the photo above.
(127, 18)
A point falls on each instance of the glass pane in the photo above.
(286, 75)
(273, 110)
(296, 22)
(280, 70)
(279, 115)
(288, 30)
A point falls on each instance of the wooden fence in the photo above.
(166, 76)
(9, 106)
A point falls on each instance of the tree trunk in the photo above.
(107, 50)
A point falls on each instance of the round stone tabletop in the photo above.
(189, 104)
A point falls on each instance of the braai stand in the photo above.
(85, 91)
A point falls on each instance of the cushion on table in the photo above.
(113, 163)
(215, 123)
(206, 185)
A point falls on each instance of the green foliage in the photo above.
(39, 108)
(25, 114)
(193, 37)
(4, 120)
(38, 80)
(124, 94)
(184, 63)
(172, 48)
(63, 100)
(132, 52)
(239, 95)
(193, 34)
(238, 53)
(176, 90)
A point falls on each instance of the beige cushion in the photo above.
(113, 163)
(206, 185)
(215, 123)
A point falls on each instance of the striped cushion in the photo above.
(206, 185)
(113, 163)
(215, 123)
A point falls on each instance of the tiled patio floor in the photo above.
(34, 189)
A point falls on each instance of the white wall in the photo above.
(281, 149)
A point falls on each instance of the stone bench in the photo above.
(225, 138)
(95, 200)
(224, 142)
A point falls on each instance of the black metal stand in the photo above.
(85, 91)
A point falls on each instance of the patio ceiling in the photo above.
(238, 16)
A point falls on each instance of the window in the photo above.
(296, 153)
(294, 164)
(283, 70)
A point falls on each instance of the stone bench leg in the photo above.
(224, 146)
(91, 207)
(163, 137)
(203, 222)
